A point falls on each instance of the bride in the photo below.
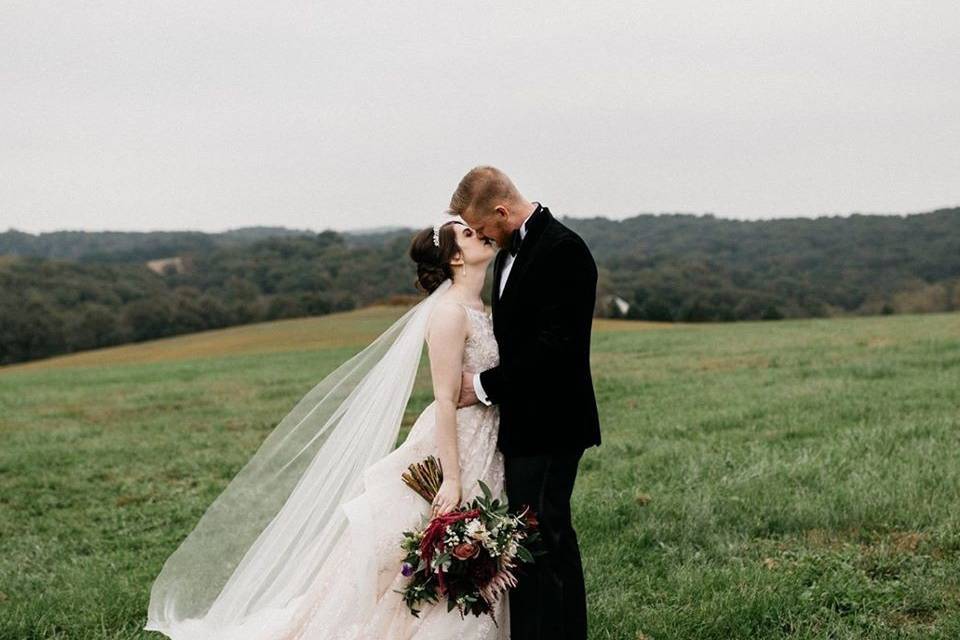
(304, 543)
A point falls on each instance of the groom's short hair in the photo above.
(481, 189)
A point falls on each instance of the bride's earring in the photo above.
(463, 269)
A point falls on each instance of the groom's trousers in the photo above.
(549, 602)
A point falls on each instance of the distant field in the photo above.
(790, 479)
(353, 329)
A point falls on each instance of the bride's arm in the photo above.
(446, 336)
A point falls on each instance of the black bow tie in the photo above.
(515, 241)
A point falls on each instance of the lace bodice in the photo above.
(481, 352)
(477, 424)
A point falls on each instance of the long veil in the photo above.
(261, 543)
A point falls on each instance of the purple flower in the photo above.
(406, 569)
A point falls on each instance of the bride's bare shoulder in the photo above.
(448, 321)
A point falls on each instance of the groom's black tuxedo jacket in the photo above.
(542, 324)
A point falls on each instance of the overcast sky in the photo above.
(210, 115)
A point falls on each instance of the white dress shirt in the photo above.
(504, 273)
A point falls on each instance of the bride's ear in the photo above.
(457, 259)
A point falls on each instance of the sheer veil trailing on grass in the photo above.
(260, 544)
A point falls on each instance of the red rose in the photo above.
(466, 550)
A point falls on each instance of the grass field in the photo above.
(791, 479)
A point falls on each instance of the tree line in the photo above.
(70, 291)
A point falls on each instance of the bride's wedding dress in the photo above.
(388, 507)
(304, 542)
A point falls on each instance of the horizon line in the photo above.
(381, 228)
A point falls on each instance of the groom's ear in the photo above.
(502, 211)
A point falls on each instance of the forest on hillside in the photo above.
(72, 290)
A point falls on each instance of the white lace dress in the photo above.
(344, 604)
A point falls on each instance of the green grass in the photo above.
(792, 479)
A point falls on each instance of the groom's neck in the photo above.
(527, 209)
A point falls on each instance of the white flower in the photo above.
(474, 527)
(476, 531)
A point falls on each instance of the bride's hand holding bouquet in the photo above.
(448, 497)
(466, 554)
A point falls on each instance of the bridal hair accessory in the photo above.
(436, 234)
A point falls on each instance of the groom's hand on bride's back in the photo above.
(468, 395)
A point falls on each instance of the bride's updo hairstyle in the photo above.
(433, 262)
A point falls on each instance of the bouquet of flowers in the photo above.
(467, 555)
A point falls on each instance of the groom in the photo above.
(544, 288)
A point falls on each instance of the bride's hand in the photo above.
(447, 498)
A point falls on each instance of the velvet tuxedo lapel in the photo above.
(535, 228)
(497, 274)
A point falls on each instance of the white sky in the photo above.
(211, 115)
